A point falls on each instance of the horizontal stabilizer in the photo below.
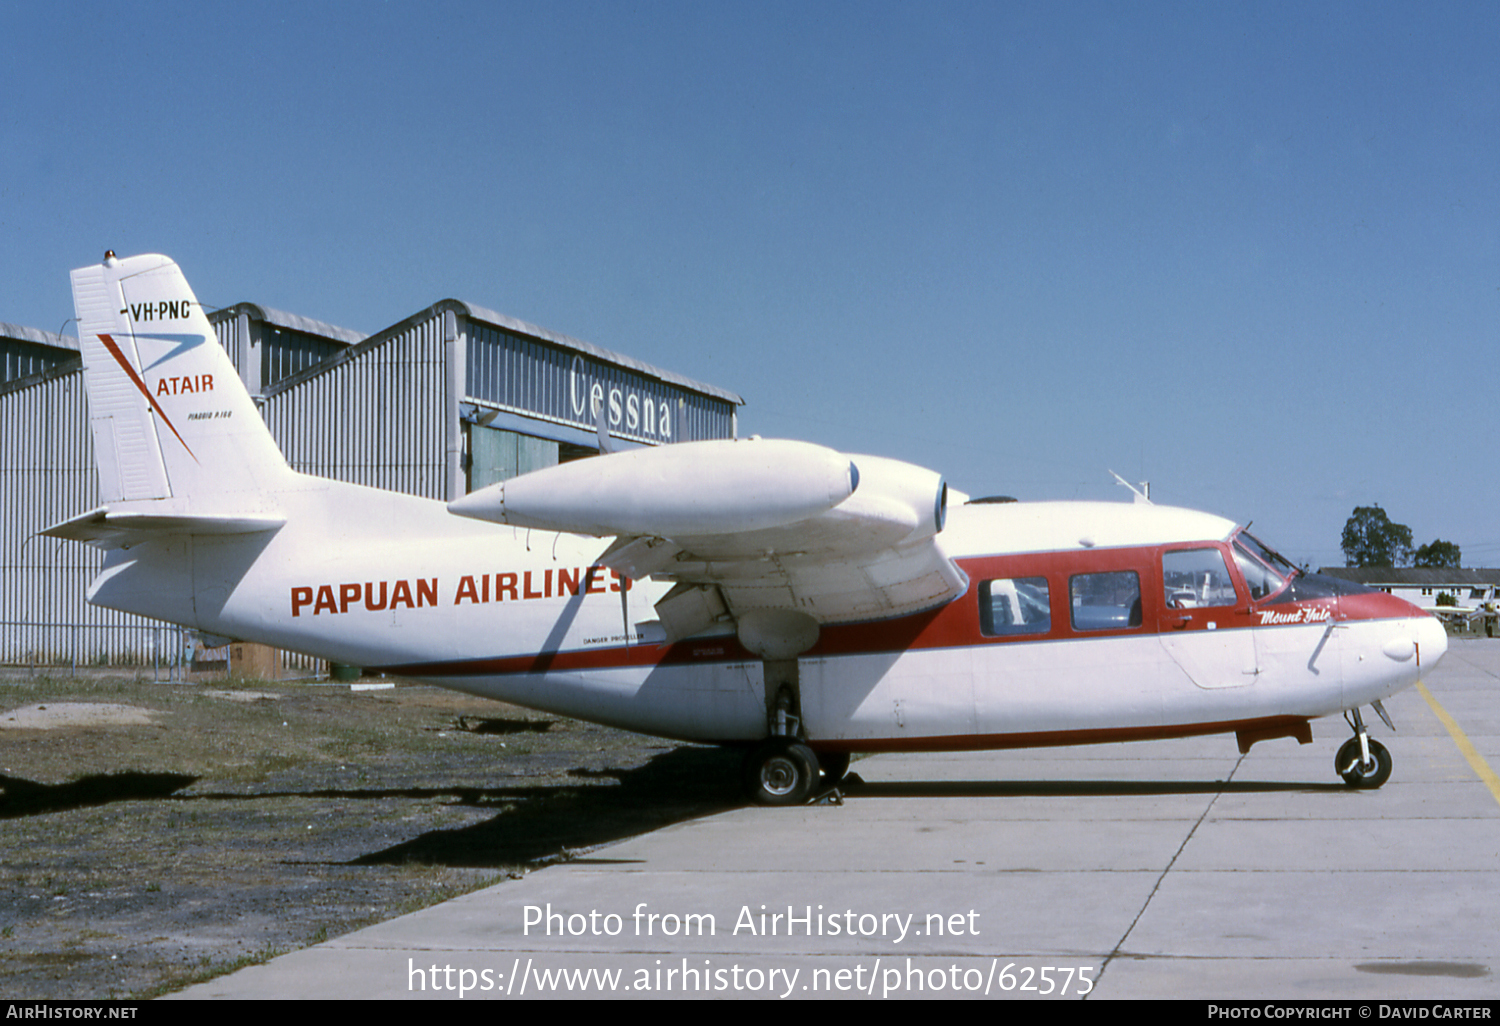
(110, 529)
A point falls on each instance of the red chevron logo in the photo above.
(114, 350)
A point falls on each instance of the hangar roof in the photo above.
(38, 337)
(349, 337)
(484, 315)
(1414, 576)
(294, 322)
(480, 313)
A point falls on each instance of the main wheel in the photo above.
(834, 766)
(782, 771)
(1372, 775)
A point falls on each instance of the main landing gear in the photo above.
(783, 769)
(1362, 761)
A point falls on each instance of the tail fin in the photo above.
(171, 418)
(180, 445)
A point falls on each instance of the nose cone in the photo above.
(1425, 632)
(1390, 644)
(1432, 641)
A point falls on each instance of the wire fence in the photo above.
(165, 648)
(171, 652)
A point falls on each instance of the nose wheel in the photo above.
(1362, 761)
(1360, 772)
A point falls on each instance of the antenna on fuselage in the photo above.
(1142, 494)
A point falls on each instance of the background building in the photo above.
(1421, 585)
(452, 398)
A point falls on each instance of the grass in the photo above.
(325, 810)
(212, 970)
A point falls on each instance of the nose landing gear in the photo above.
(1362, 761)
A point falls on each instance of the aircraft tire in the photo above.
(834, 765)
(1355, 776)
(782, 771)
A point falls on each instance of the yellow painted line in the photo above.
(1476, 761)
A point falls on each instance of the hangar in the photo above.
(450, 399)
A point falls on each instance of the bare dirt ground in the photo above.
(153, 834)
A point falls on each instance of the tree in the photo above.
(1439, 553)
(1370, 539)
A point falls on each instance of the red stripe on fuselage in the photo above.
(1265, 727)
(955, 625)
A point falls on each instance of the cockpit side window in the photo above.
(1196, 578)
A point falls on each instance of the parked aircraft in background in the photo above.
(1486, 610)
(779, 596)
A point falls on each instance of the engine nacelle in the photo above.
(895, 492)
(689, 489)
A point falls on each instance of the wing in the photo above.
(749, 527)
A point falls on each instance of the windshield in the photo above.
(1266, 571)
(1272, 577)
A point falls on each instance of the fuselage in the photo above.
(1082, 622)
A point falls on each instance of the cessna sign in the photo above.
(559, 383)
(632, 412)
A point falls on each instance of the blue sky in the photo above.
(1247, 251)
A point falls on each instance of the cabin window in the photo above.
(1196, 578)
(1109, 601)
(1014, 605)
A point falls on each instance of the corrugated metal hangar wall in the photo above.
(451, 399)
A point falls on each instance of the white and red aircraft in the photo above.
(1486, 610)
(774, 595)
